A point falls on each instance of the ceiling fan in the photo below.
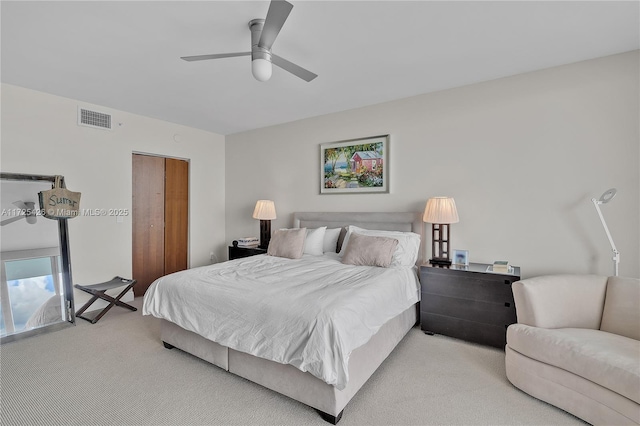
(27, 211)
(263, 34)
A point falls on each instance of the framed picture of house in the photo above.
(355, 166)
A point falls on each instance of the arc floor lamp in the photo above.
(604, 199)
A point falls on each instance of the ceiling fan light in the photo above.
(31, 219)
(261, 69)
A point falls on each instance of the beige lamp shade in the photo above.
(440, 210)
(265, 210)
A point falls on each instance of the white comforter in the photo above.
(310, 313)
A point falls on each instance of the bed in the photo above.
(347, 321)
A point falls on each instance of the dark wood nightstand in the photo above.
(468, 302)
(238, 252)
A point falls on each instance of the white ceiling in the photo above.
(125, 55)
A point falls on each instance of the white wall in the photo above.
(522, 156)
(40, 135)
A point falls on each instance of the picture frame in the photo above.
(355, 166)
(461, 257)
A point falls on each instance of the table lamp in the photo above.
(440, 212)
(265, 211)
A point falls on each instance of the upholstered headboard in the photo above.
(383, 221)
(402, 221)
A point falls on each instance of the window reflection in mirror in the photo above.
(35, 284)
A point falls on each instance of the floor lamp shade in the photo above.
(265, 211)
(440, 212)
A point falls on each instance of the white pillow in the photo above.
(408, 248)
(314, 241)
(331, 240)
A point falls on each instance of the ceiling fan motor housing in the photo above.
(258, 52)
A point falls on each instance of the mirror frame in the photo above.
(65, 261)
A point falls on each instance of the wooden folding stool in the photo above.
(98, 292)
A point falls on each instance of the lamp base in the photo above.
(440, 261)
(440, 244)
(265, 233)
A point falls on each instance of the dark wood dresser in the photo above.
(468, 302)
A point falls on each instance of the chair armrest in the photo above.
(560, 301)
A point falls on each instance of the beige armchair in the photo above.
(577, 345)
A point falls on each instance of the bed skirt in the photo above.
(290, 381)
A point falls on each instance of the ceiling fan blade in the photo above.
(31, 213)
(293, 68)
(278, 12)
(215, 56)
(11, 220)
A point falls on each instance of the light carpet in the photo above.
(117, 372)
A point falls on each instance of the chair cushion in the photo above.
(621, 313)
(560, 301)
(607, 359)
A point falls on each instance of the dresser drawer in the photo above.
(240, 252)
(492, 335)
(469, 285)
(494, 313)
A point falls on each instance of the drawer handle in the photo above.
(507, 304)
(507, 281)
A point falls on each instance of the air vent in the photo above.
(97, 120)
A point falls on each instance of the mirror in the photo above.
(36, 292)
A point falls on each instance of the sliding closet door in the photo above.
(148, 220)
(160, 218)
(176, 215)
